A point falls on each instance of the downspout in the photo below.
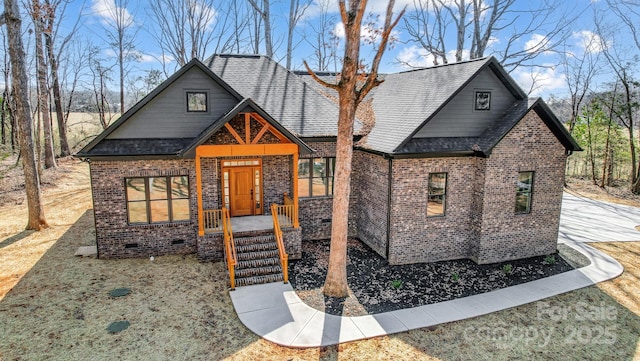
(389, 179)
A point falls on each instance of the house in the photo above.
(453, 161)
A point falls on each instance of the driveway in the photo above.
(588, 220)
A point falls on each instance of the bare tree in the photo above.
(579, 72)
(263, 11)
(352, 88)
(120, 29)
(429, 26)
(323, 39)
(188, 29)
(296, 12)
(11, 16)
(620, 62)
(37, 14)
(100, 77)
(55, 10)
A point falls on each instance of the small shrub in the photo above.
(397, 284)
(455, 277)
(507, 268)
(550, 259)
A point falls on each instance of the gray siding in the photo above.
(166, 115)
(459, 119)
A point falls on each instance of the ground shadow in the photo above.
(179, 308)
(15, 238)
(586, 324)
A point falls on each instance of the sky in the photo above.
(404, 53)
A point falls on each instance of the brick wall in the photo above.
(414, 237)
(113, 233)
(530, 146)
(315, 212)
(369, 208)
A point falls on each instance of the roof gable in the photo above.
(298, 106)
(406, 101)
(241, 107)
(112, 130)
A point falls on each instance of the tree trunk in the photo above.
(3, 119)
(36, 219)
(266, 17)
(43, 90)
(62, 124)
(350, 94)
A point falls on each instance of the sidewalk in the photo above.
(274, 311)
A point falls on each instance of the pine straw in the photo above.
(179, 309)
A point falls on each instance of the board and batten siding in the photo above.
(166, 115)
(460, 119)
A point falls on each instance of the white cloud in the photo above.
(414, 57)
(538, 81)
(110, 13)
(536, 44)
(206, 13)
(590, 41)
(338, 30)
(417, 57)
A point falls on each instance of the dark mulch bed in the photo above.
(377, 287)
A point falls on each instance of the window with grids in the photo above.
(436, 194)
(315, 177)
(157, 199)
(524, 188)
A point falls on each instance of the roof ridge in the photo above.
(486, 58)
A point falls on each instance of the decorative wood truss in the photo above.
(266, 127)
(248, 147)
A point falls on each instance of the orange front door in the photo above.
(242, 191)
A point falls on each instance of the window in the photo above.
(157, 199)
(315, 177)
(197, 101)
(436, 194)
(483, 100)
(524, 187)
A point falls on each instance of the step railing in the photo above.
(277, 231)
(212, 220)
(229, 246)
(287, 213)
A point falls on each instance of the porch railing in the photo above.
(277, 231)
(288, 212)
(212, 219)
(229, 246)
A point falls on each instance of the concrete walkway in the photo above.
(275, 312)
(587, 220)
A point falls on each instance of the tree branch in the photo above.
(316, 78)
(372, 78)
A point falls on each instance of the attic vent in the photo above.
(177, 241)
(131, 245)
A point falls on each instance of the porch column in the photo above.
(296, 223)
(199, 191)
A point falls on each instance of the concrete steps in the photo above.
(258, 260)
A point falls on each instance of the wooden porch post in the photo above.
(199, 190)
(295, 187)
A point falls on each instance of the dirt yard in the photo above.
(54, 306)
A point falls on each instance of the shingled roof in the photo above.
(398, 109)
(484, 144)
(296, 105)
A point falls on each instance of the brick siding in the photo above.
(480, 221)
(530, 146)
(113, 233)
